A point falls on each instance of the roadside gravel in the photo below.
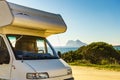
(88, 73)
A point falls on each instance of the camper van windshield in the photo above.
(31, 48)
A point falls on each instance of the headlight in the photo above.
(69, 71)
(42, 75)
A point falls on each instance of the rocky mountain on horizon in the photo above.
(76, 43)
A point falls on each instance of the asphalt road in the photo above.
(87, 73)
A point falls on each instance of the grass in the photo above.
(114, 67)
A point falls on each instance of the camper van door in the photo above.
(5, 65)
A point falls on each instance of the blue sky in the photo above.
(87, 20)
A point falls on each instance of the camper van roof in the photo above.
(17, 19)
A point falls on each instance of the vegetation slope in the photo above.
(96, 53)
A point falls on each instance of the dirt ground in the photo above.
(87, 73)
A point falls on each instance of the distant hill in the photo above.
(76, 43)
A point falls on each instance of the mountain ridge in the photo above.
(76, 43)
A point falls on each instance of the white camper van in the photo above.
(25, 54)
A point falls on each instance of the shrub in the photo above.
(98, 51)
(95, 53)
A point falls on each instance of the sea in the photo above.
(67, 49)
(117, 47)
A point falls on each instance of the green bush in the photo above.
(104, 62)
(98, 51)
(95, 53)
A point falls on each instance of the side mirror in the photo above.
(59, 54)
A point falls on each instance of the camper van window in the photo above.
(31, 47)
(4, 54)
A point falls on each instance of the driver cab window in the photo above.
(31, 47)
(4, 54)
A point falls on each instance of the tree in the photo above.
(98, 51)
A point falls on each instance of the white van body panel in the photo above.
(24, 21)
(55, 68)
(16, 19)
(5, 71)
(19, 70)
(5, 14)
